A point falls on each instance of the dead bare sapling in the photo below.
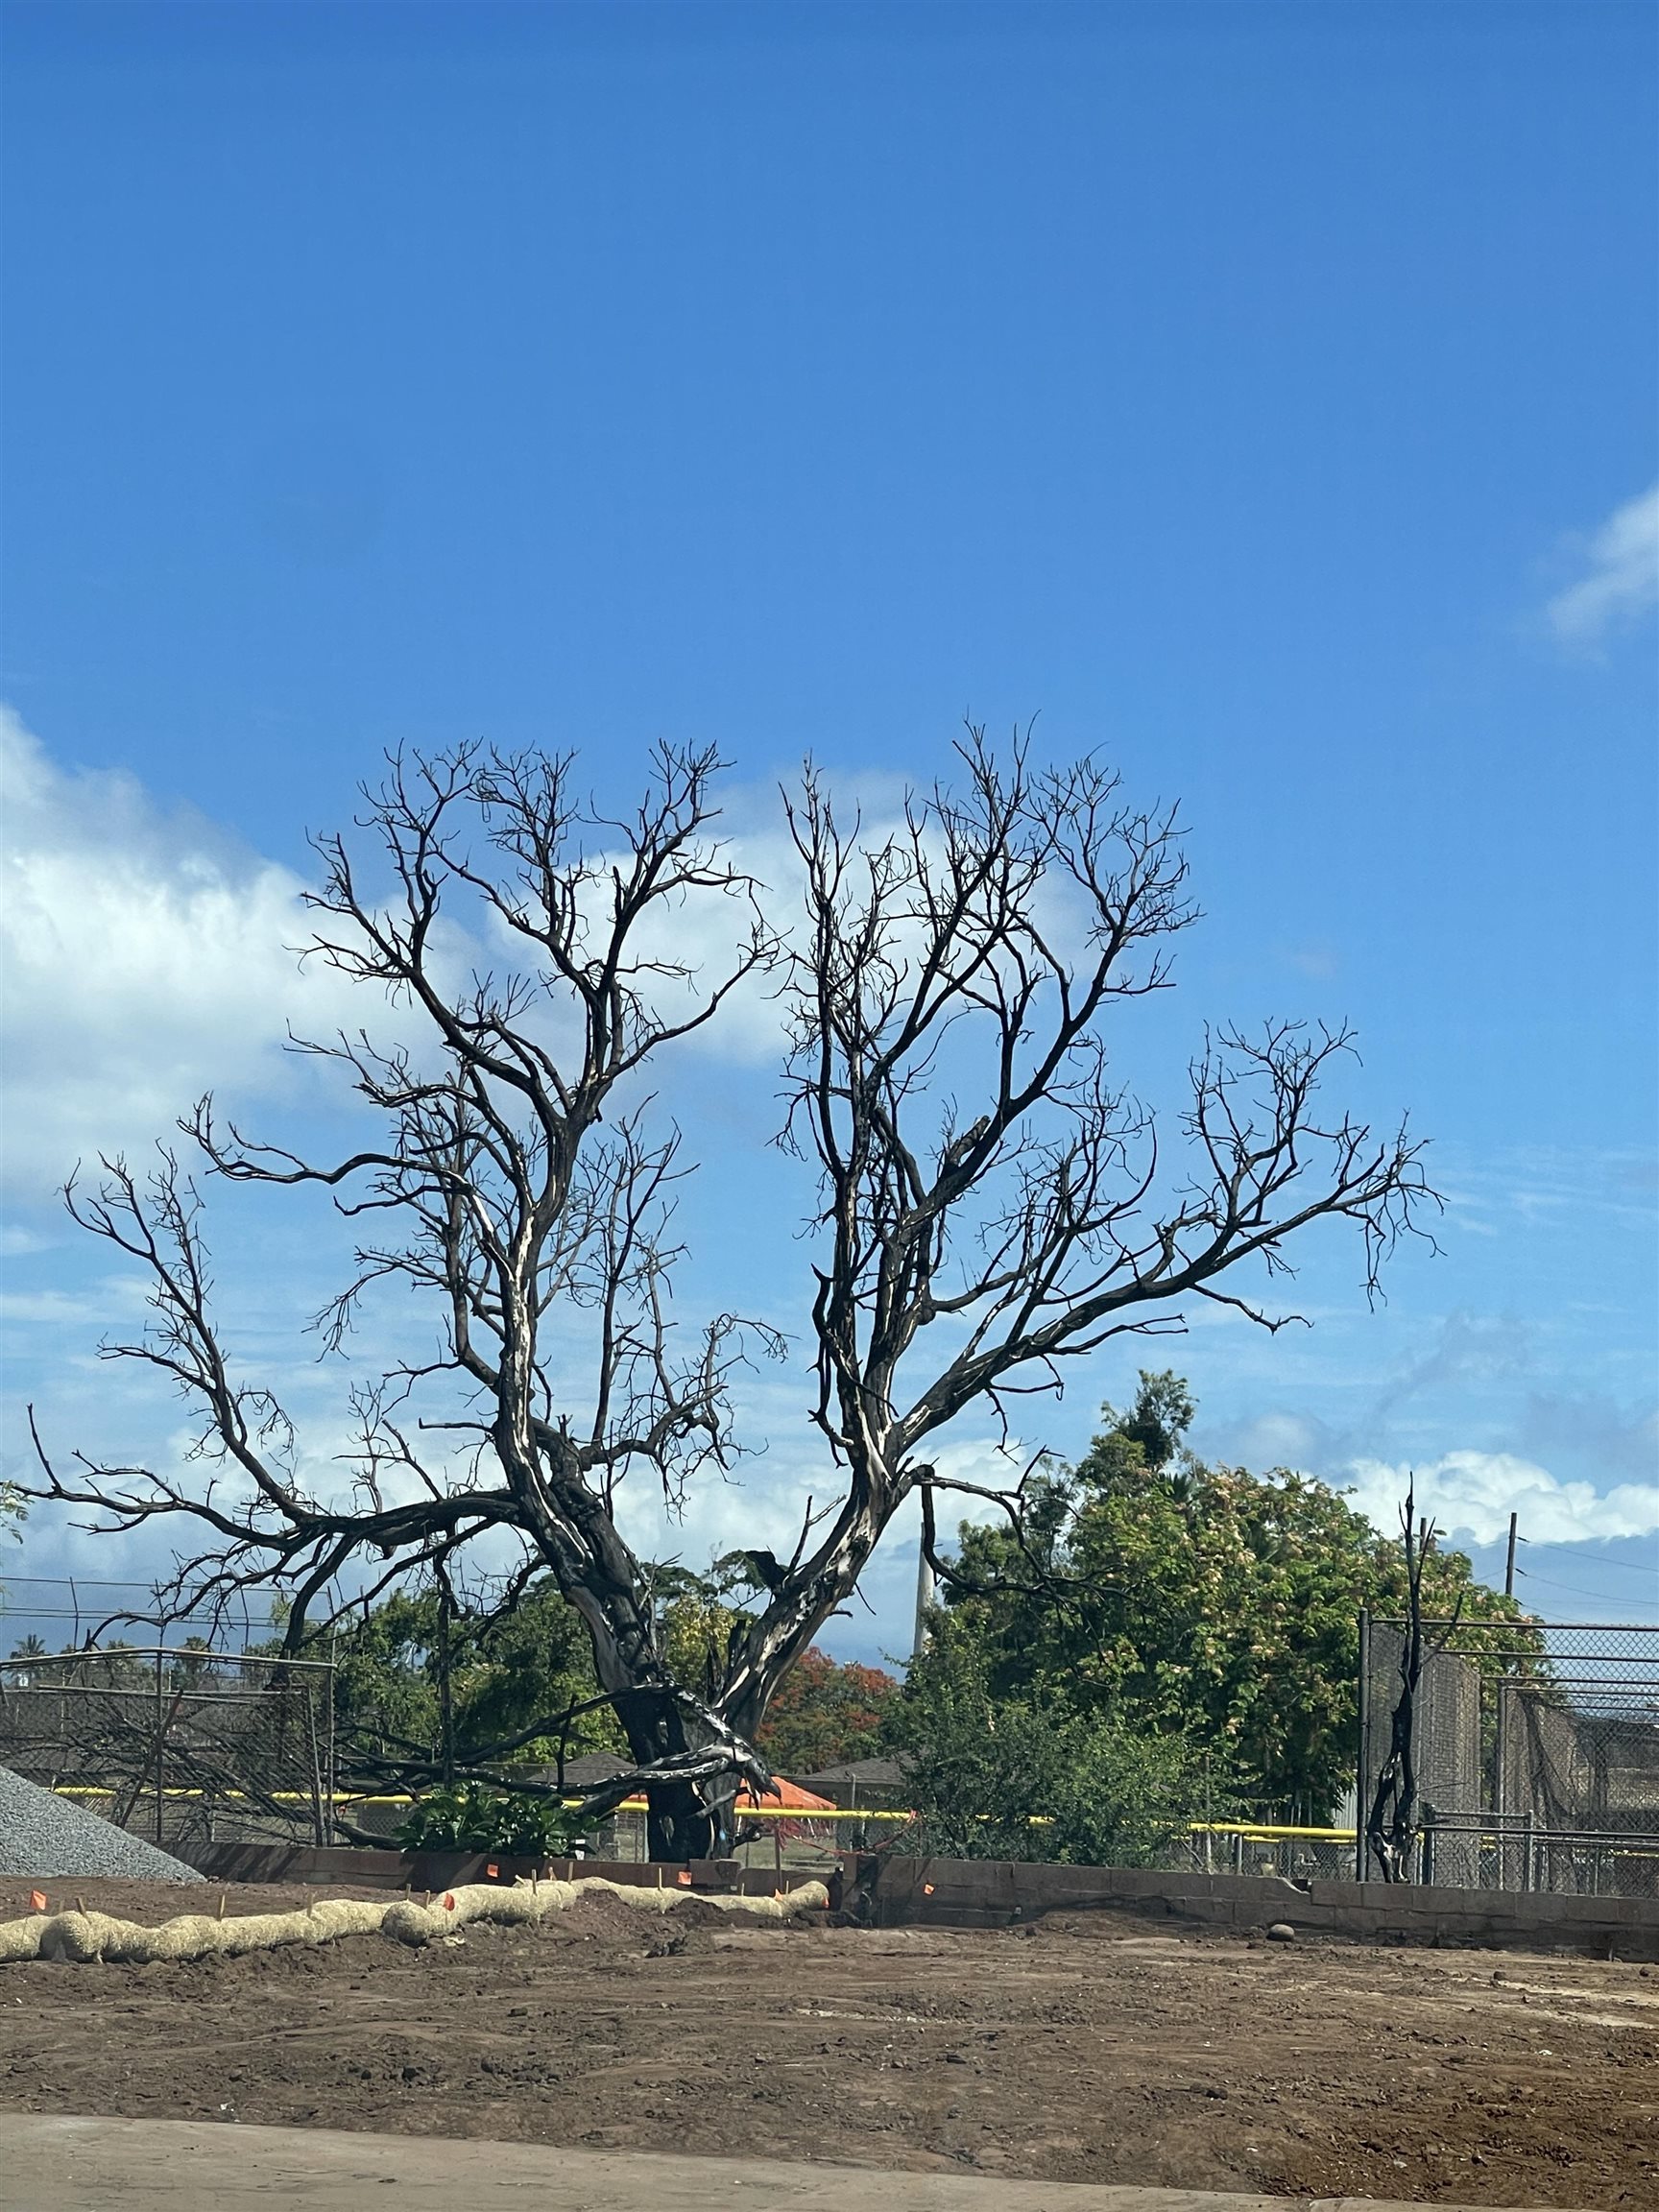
(1391, 1824)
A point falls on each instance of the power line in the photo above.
(1578, 1552)
(1575, 1590)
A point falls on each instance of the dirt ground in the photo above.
(1085, 2048)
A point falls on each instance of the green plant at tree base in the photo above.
(471, 1817)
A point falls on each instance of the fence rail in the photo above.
(48, 1613)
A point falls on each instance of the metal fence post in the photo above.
(314, 1751)
(1499, 1768)
(1362, 1759)
(328, 1696)
(160, 1734)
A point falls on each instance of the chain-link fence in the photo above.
(1537, 1753)
(178, 1744)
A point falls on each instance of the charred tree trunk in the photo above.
(655, 1732)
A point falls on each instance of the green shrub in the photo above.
(474, 1816)
(1029, 1779)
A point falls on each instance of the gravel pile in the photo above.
(52, 1838)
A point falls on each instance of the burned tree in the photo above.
(993, 1200)
(1391, 1823)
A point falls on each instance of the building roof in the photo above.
(863, 1774)
(790, 1794)
(591, 1769)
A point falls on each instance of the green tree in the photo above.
(113, 1666)
(1032, 1778)
(194, 1666)
(1205, 1602)
(511, 1674)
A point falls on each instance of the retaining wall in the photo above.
(893, 1891)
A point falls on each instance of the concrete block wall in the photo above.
(893, 1891)
(359, 1867)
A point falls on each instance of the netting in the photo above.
(180, 1746)
(1537, 1770)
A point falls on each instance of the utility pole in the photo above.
(1509, 1570)
(923, 1576)
(923, 1603)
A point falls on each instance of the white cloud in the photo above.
(17, 1242)
(1621, 578)
(1472, 1493)
(50, 1308)
(144, 958)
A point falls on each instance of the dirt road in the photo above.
(1084, 2049)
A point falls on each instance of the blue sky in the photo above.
(1259, 393)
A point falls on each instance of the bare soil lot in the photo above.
(1086, 2047)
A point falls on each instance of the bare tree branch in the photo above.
(982, 1173)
